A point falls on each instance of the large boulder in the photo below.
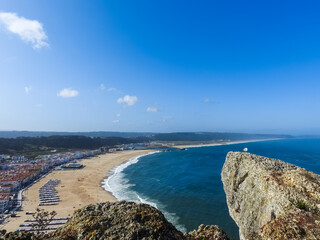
(128, 220)
(119, 220)
(271, 199)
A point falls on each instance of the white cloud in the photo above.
(152, 109)
(68, 93)
(39, 105)
(128, 100)
(30, 31)
(102, 87)
(116, 121)
(118, 115)
(27, 89)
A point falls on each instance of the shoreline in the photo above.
(77, 188)
(118, 169)
(226, 143)
(82, 187)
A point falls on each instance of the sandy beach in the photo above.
(81, 187)
(226, 143)
(77, 188)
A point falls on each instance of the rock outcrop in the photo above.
(271, 199)
(211, 232)
(121, 221)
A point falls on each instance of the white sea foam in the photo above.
(119, 186)
(142, 200)
(116, 183)
(171, 217)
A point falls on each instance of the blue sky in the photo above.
(236, 66)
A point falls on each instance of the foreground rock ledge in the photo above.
(271, 199)
(122, 220)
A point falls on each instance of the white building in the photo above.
(4, 201)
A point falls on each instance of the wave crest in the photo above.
(119, 186)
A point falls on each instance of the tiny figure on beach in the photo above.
(245, 149)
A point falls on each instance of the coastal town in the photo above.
(18, 173)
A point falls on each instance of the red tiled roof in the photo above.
(4, 197)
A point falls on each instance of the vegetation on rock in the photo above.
(271, 199)
(121, 221)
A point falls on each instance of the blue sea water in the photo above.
(186, 185)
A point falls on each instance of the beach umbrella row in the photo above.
(48, 194)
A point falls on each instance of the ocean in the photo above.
(186, 185)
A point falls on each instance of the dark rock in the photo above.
(211, 232)
(19, 236)
(120, 220)
(127, 220)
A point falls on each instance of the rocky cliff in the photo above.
(271, 199)
(121, 221)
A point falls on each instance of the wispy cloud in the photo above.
(118, 115)
(128, 100)
(166, 119)
(102, 87)
(116, 121)
(8, 59)
(152, 109)
(27, 89)
(208, 100)
(112, 89)
(30, 31)
(68, 93)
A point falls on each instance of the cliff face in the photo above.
(271, 199)
(122, 221)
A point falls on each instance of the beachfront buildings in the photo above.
(18, 172)
(4, 202)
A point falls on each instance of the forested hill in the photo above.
(33, 146)
(15, 134)
(175, 136)
(212, 136)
